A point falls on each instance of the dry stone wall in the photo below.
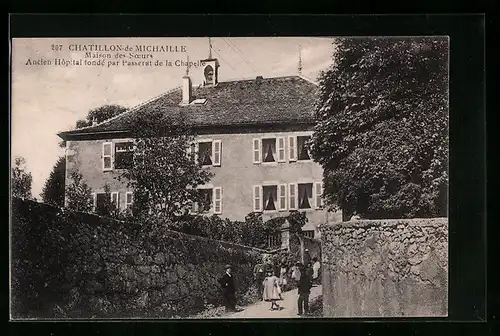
(68, 264)
(385, 268)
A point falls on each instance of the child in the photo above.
(272, 290)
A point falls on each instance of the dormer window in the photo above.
(209, 74)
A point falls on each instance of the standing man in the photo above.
(227, 284)
(259, 274)
(304, 289)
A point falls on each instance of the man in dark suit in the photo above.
(304, 289)
(227, 284)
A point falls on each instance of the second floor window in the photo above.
(207, 152)
(124, 155)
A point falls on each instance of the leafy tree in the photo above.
(98, 114)
(382, 127)
(163, 176)
(21, 179)
(79, 194)
(53, 190)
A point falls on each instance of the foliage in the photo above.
(79, 194)
(21, 179)
(98, 114)
(382, 127)
(164, 178)
(53, 190)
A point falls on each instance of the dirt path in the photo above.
(288, 306)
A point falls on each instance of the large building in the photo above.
(251, 133)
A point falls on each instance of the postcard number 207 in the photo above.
(57, 47)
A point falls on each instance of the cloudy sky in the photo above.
(47, 99)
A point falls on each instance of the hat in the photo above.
(307, 250)
(298, 263)
(227, 266)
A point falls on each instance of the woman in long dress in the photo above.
(272, 289)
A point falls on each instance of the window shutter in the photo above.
(217, 200)
(319, 194)
(292, 148)
(216, 152)
(293, 196)
(257, 198)
(282, 197)
(107, 156)
(94, 202)
(256, 151)
(281, 149)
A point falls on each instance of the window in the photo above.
(256, 151)
(303, 147)
(305, 195)
(268, 150)
(269, 198)
(207, 201)
(124, 155)
(205, 153)
(281, 149)
(107, 156)
(308, 233)
(101, 204)
(208, 152)
(292, 148)
(218, 200)
(129, 200)
(115, 200)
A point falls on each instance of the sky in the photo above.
(49, 98)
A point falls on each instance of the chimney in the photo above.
(186, 90)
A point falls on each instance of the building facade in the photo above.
(252, 134)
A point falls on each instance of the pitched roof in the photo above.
(261, 101)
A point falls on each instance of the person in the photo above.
(259, 275)
(316, 268)
(295, 273)
(227, 284)
(307, 257)
(272, 290)
(304, 289)
(283, 276)
(309, 270)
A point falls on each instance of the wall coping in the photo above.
(362, 223)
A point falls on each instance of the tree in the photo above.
(53, 190)
(79, 194)
(21, 179)
(382, 127)
(98, 114)
(163, 176)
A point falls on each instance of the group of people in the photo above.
(272, 282)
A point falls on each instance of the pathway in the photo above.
(288, 306)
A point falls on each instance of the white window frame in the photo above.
(117, 194)
(103, 156)
(312, 203)
(257, 189)
(297, 147)
(294, 187)
(281, 149)
(276, 202)
(282, 195)
(262, 151)
(318, 193)
(216, 144)
(216, 199)
(256, 152)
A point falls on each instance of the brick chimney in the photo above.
(187, 90)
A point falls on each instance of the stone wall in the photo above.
(385, 268)
(69, 264)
